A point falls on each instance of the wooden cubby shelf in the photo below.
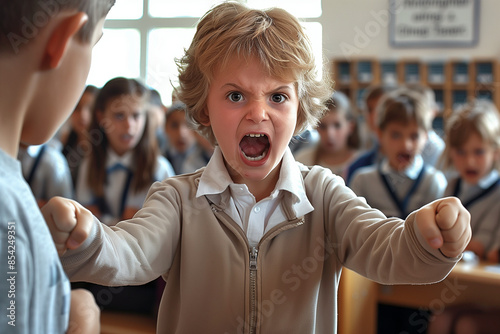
(454, 81)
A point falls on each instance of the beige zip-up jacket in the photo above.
(217, 283)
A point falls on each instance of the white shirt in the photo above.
(468, 191)
(115, 185)
(255, 219)
(401, 181)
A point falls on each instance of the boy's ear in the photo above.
(204, 118)
(60, 38)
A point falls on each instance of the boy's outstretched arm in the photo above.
(445, 224)
(68, 221)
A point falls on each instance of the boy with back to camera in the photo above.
(45, 52)
(255, 242)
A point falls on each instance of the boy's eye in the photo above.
(479, 152)
(235, 96)
(137, 115)
(395, 135)
(278, 98)
(119, 116)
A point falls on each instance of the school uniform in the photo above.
(226, 256)
(481, 200)
(177, 158)
(309, 157)
(395, 193)
(46, 171)
(198, 157)
(433, 149)
(118, 194)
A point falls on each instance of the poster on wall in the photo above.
(434, 23)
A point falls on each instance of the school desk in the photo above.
(467, 283)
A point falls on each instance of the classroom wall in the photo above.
(345, 21)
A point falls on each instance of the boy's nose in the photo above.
(409, 144)
(257, 111)
(470, 160)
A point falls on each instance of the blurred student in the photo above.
(199, 156)
(114, 179)
(473, 152)
(157, 115)
(46, 171)
(368, 132)
(434, 146)
(339, 139)
(76, 141)
(181, 137)
(401, 182)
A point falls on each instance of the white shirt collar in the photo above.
(113, 159)
(215, 180)
(486, 181)
(411, 171)
(34, 150)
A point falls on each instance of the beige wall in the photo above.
(344, 20)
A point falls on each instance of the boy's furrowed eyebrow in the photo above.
(277, 89)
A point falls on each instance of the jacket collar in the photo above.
(215, 181)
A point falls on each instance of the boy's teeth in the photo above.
(255, 135)
(260, 157)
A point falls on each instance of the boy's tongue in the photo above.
(254, 146)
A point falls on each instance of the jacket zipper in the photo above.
(253, 252)
(253, 289)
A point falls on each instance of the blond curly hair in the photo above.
(273, 36)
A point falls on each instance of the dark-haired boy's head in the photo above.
(22, 20)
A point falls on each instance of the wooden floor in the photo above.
(126, 323)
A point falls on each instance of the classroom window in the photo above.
(143, 37)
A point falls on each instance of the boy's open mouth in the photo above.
(471, 173)
(404, 158)
(254, 146)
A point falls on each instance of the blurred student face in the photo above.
(401, 143)
(180, 135)
(371, 106)
(474, 159)
(82, 115)
(334, 130)
(124, 120)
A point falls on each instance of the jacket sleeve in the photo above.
(134, 251)
(386, 250)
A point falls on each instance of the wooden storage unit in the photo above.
(486, 79)
(454, 81)
(352, 77)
